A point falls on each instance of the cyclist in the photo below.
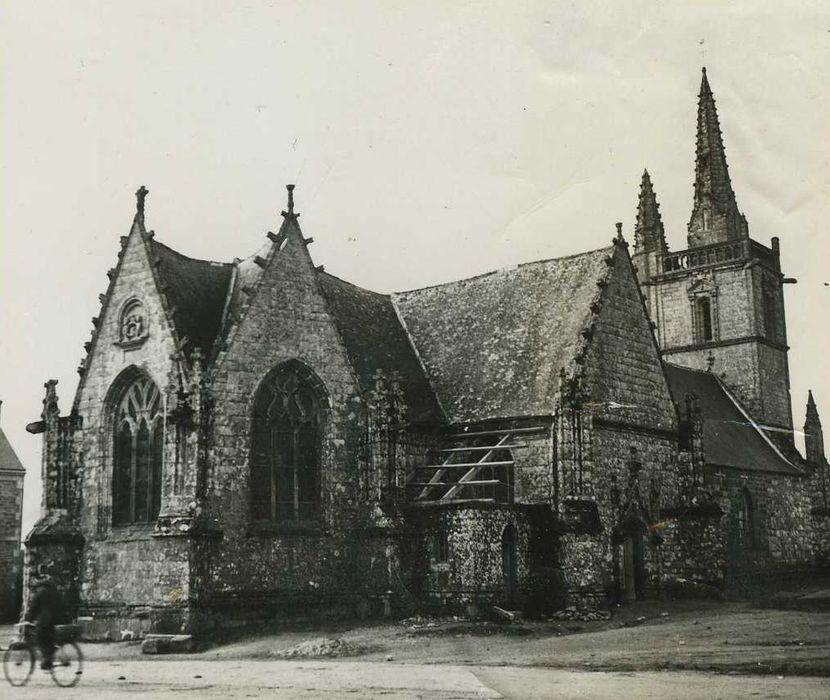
(45, 611)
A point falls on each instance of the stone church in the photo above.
(255, 437)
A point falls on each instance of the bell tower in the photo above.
(719, 304)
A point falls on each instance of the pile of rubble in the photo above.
(583, 615)
(323, 647)
(424, 621)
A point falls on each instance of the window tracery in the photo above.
(137, 451)
(286, 448)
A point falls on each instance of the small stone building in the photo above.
(11, 512)
(257, 437)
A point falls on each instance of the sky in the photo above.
(428, 140)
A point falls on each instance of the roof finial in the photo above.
(619, 230)
(290, 189)
(140, 195)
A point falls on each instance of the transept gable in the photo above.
(624, 379)
(275, 310)
(135, 324)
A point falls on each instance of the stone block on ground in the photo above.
(167, 644)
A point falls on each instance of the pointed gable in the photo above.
(715, 215)
(493, 345)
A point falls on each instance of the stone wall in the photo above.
(11, 506)
(471, 570)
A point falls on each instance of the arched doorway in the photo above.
(629, 554)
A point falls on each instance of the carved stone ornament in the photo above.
(133, 328)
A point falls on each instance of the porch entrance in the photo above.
(632, 567)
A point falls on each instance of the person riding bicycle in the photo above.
(45, 610)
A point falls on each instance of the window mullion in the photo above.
(273, 466)
(295, 445)
(133, 455)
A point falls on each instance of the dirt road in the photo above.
(180, 678)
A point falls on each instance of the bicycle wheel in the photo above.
(68, 665)
(18, 663)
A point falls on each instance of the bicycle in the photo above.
(67, 665)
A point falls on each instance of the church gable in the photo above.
(282, 326)
(282, 314)
(134, 328)
(624, 377)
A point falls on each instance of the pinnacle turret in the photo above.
(649, 235)
(715, 215)
(813, 434)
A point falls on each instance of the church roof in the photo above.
(8, 458)
(730, 437)
(493, 345)
(375, 340)
(196, 290)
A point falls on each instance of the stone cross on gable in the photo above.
(140, 194)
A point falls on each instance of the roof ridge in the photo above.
(506, 268)
(352, 284)
(689, 369)
(155, 242)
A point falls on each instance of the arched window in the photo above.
(286, 445)
(746, 520)
(137, 451)
(703, 310)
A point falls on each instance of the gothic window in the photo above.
(137, 452)
(133, 328)
(746, 520)
(703, 320)
(286, 447)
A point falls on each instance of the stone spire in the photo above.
(715, 215)
(649, 235)
(813, 435)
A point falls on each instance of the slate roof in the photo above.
(8, 459)
(375, 340)
(729, 438)
(247, 272)
(493, 345)
(197, 289)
